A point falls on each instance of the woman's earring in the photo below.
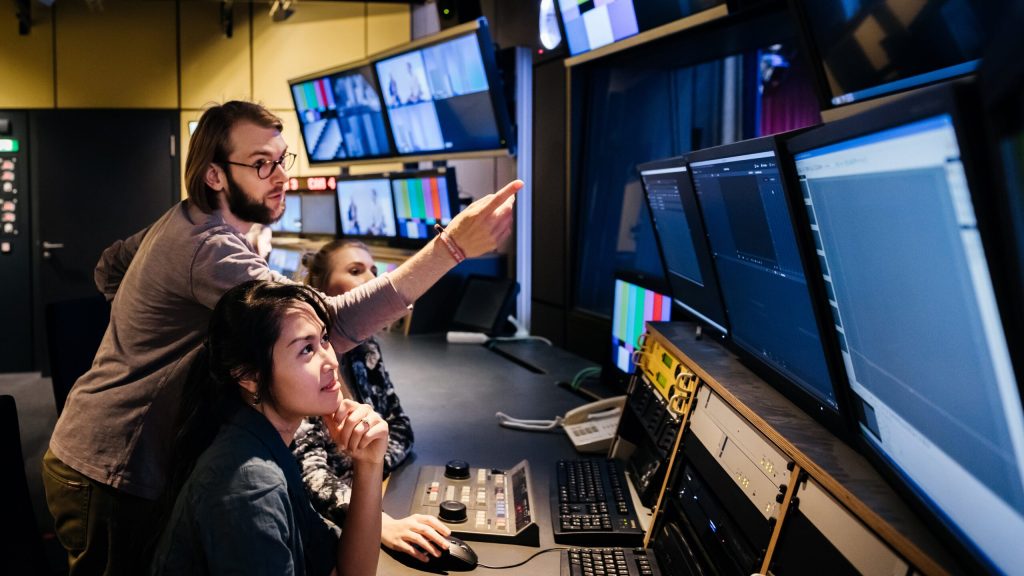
(255, 397)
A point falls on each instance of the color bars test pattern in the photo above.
(315, 95)
(419, 204)
(633, 307)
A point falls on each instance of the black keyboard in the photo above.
(591, 505)
(608, 562)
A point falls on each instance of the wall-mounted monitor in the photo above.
(291, 221)
(319, 214)
(341, 115)
(761, 272)
(867, 48)
(443, 95)
(591, 24)
(633, 307)
(365, 208)
(896, 209)
(423, 199)
(679, 229)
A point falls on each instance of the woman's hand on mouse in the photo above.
(359, 432)
(416, 535)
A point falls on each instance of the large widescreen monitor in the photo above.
(761, 272)
(365, 208)
(679, 229)
(341, 116)
(443, 94)
(895, 211)
(423, 199)
(867, 48)
(633, 307)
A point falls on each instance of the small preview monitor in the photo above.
(319, 214)
(365, 208)
(679, 229)
(291, 221)
(341, 115)
(423, 199)
(285, 261)
(762, 275)
(590, 25)
(444, 96)
(894, 214)
(485, 304)
(632, 308)
(871, 48)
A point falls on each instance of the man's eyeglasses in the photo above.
(264, 168)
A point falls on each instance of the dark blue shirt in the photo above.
(244, 510)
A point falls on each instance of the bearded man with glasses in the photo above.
(107, 462)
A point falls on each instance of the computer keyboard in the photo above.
(591, 505)
(608, 562)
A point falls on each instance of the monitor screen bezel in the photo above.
(957, 100)
(706, 259)
(825, 93)
(446, 172)
(480, 29)
(838, 419)
(368, 238)
(346, 69)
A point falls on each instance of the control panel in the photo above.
(16, 340)
(486, 504)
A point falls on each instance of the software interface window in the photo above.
(763, 284)
(918, 322)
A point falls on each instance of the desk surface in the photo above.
(451, 392)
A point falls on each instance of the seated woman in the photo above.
(239, 505)
(338, 267)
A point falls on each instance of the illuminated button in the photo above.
(449, 492)
(481, 519)
(8, 187)
(7, 165)
(432, 491)
(481, 496)
(464, 496)
(481, 476)
(7, 206)
(8, 217)
(7, 176)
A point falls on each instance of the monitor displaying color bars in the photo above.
(422, 200)
(633, 307)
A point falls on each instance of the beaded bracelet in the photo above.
(450, 244)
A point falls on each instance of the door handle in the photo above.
(47, 246)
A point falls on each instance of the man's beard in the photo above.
(246, 208)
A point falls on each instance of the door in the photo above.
(97, 176)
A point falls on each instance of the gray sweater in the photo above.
(117, 425)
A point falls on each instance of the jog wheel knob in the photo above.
(453, 512)
(456, 470)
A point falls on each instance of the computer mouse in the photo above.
(459, 558)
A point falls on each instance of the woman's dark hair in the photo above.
(243, 329)
(319, 264)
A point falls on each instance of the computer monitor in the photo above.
(772, 321)
(319, 214)
(683, 243)
(423, 199)
(291, 221)
(593, 24)
(869, 48)
(340, 115)
(443, 95)
(633, 307)
(285, 261)
(365, 209)
(895, 208)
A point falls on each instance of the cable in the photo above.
(582, 375)
(535, 554)
(521, 424)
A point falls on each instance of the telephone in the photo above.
(590, 427)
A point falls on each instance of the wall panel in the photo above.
(214, 68)
(26, 62)
(123, 55)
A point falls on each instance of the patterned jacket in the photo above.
(327, 473)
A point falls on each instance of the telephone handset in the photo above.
(592, 427)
